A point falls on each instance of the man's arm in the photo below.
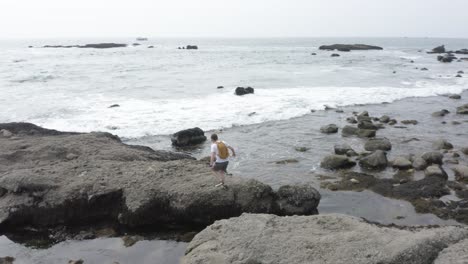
(213, 157)
(233, 151)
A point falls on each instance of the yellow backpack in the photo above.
(223, 151)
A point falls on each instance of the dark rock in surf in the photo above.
(348, 47)
(408, 122)
(402, 163)
(313, 54)
(433, 157)
(244, 91)
(439, 49)
(442, 144)
(335, 55)
(455, 96)
(114, 105)
(136, 44)
(351, 120)
(188, 137)
(150, 47)
(435, 171)
(441, 113)
(192, 47)
(220, 87)
(342, 149)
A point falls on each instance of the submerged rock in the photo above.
(441, 113)
(111, 182)
(192, 47)
(335, 55)
(342, 149)
(320, 239)
(188, 137)
(455, 96)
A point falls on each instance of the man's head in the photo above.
(214, 137)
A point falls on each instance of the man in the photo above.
(219, 158)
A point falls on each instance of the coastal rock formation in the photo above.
(94, 46)
(50, 178)
(244, 91)
(439, 49)
(188, 137)
(454, 254)
(320, 239)
(348, 47)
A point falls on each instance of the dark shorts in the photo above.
(222, 166)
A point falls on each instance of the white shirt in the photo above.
(214, 149)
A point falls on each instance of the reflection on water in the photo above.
(96, 251)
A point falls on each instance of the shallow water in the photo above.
(96, 251)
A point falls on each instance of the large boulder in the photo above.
(378, 143)
(461, 173)
(376, 160)
(348, 47)
(329, 129)
(49, 178)
(335, 162)
(319, 239)
(402, 163)
(188, 137)
(439, 49)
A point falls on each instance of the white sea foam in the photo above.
(137, 117)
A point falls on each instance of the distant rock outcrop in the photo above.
(349, 47)
(94, 46)
(244, 91)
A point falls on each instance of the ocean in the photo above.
(162, 90)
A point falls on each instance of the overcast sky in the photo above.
(233, 18)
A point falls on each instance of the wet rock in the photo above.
(6, 133)
(460, 72)
(110, 182)
(455, 123)
(298, 199)
(378, 144)
(349, 47)
(351, 153)
(376, 160)
(433, 157)
(80, 261)
(464, 151)
(347, 131)
(252, 114)
(384, 119)
(329, 129)
(364, 116)
(339, 111)
(458, 76)
(435, 171)
(243, 91)
(462, 110)
(150, 47)
(286, 161)
(442, 144)
(301, 149)
(461, 173)
(335, 162)
(329, 238)
(392, 122)
(7, 260)
(455, 96)
(335, 55)
(313, 53)
(402, 163)
(114, 105)
(367, 125)
(424, 69)
(419, 163)
(191, 47)
(365, 133)
(188, 137)
(220, 87)
(441, 113)
(342, 149)
(129, 241)
(408, 122)
(351, 120)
